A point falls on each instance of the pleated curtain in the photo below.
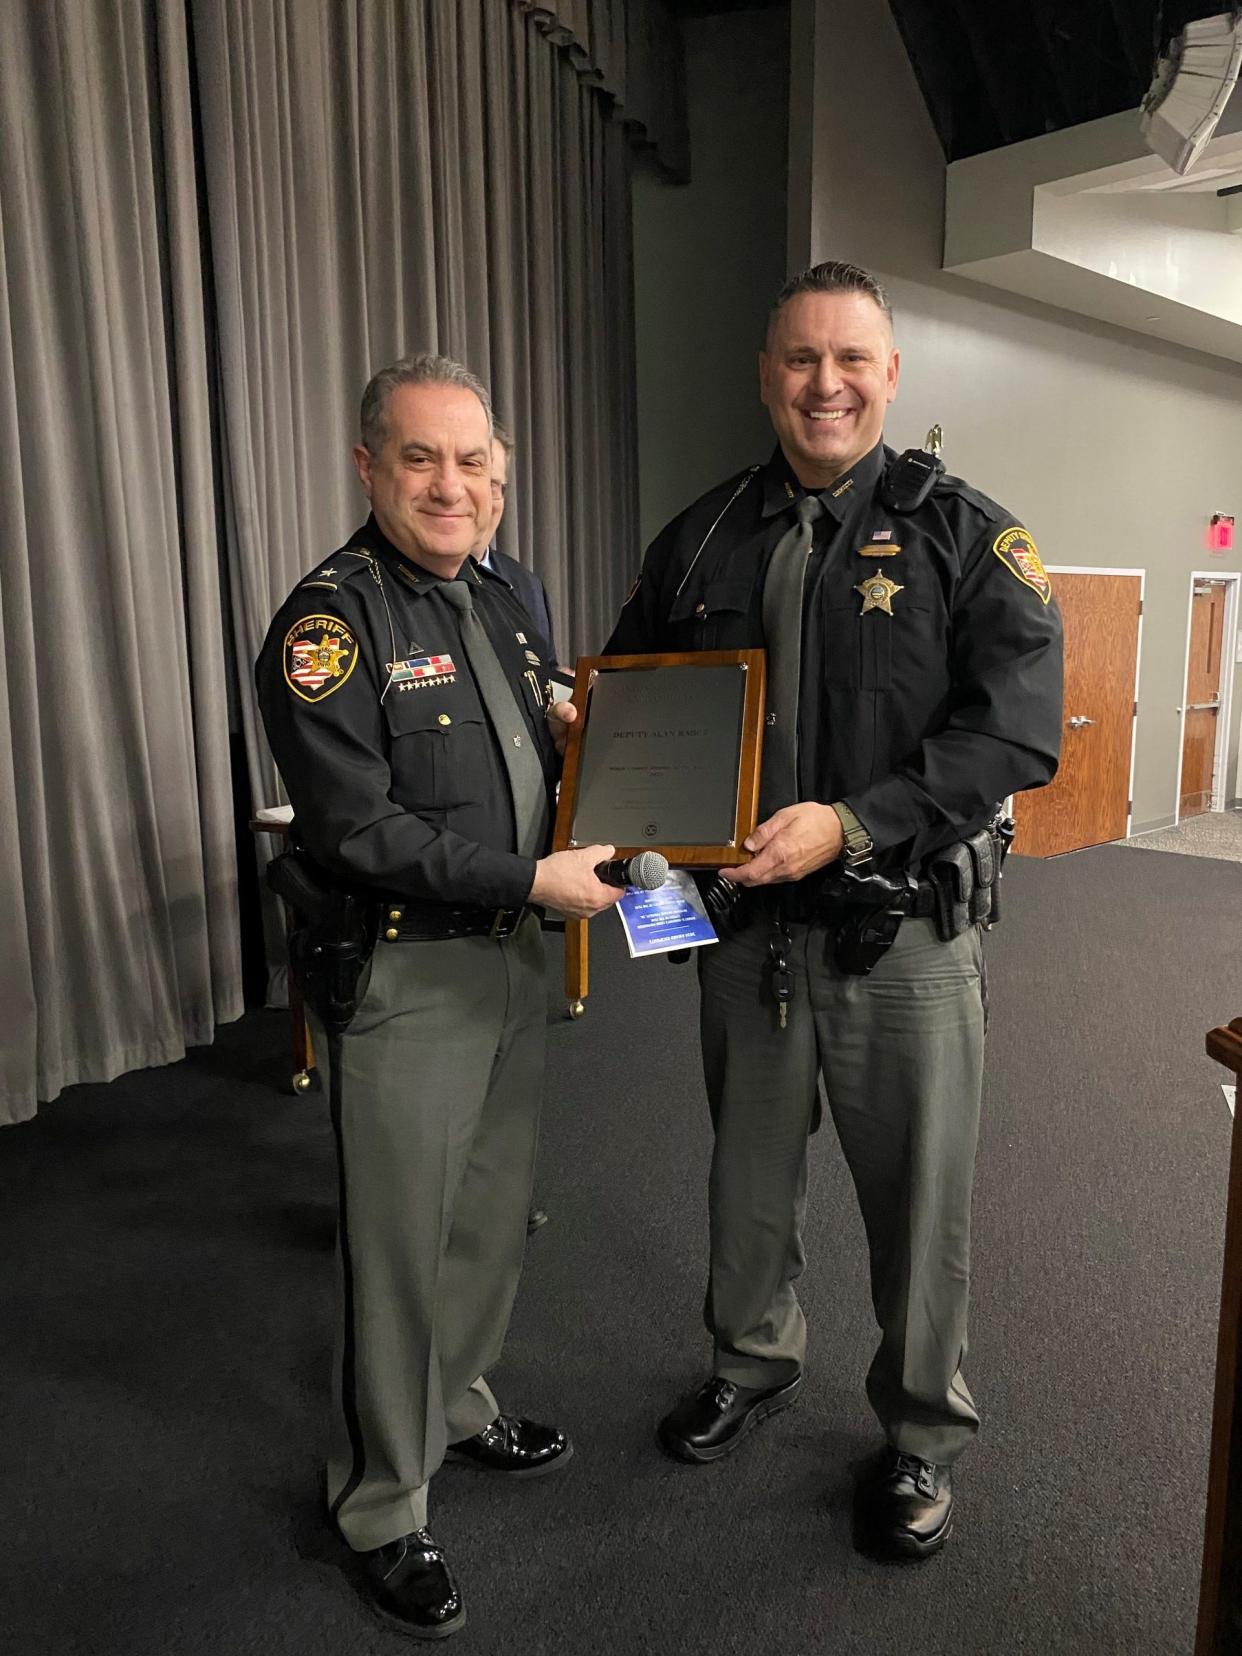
(118, 920)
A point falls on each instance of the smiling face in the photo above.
(826, 378)
(430, 485)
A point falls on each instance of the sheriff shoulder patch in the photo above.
(320, 654)
(1016, 550)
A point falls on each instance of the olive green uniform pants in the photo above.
(901, 1055)
(441, 1076)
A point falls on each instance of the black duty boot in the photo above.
(518, 1448)
(905, 1507)
(714, 1419)
(413, 1588)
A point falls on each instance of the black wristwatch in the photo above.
(858, 847)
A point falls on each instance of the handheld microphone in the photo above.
(647, 870)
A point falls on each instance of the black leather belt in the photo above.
(407, 922)
(774, 900)
(923, 907)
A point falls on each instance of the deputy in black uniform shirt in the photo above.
(403, 696)
(914, 662)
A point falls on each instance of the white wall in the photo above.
(1113, 448)
(1170, 244)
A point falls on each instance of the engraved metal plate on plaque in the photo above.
(661, 764)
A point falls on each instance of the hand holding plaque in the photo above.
(793, 842)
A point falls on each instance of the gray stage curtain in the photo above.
(397, 176)
(633, 53)
(118, 920)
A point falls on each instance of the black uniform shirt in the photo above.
(380, 734)
(921, 719)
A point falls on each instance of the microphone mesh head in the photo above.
(648, 870)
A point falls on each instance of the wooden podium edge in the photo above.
(1224, 1044)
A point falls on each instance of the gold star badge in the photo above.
(878, 592)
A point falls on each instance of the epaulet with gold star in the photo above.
(339, 567)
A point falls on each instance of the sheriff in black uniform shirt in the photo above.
(920, 652)
(402, 692)
(420, 803)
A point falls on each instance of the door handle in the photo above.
(1078, 721)
(1203, 707)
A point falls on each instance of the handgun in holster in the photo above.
(331, 938)
(866, 911)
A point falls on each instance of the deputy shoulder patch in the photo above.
(1016, 550)
(320, 654)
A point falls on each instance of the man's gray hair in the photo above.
(420, 368)
(503, 438)
(834, 276)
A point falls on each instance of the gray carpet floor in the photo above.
(1216, 834)
(166, 1296)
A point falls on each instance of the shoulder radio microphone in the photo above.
(908, 480)
(647, 870)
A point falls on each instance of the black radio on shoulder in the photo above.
(910, 478)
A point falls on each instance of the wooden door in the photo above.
(1088, 801)
(1207, 626)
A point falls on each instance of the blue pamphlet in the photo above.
(671, 917)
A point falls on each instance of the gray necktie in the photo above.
(521, 755)
(782, 634)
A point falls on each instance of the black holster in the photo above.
(865, 912)
(331, 937)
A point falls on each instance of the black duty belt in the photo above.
(923, 907)
(409, 922)
(822, 910)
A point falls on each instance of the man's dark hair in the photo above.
(422, 368)
(834, 276)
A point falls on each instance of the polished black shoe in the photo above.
(905, 1507)
(712, 1420)
(534, 1219)
(413, 1589)
(519, 1448)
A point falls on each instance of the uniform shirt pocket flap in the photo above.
(717, 596)
(426, 710)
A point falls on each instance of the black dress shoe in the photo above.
(519, 1448)
(534, 1219)
(712, 1420)
(905, 1507)
(413, 1589)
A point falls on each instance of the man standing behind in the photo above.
(530, 589)
(408, 724)
(914, 680)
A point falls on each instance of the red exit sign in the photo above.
(1220, 532)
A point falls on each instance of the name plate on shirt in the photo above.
(664, 755)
